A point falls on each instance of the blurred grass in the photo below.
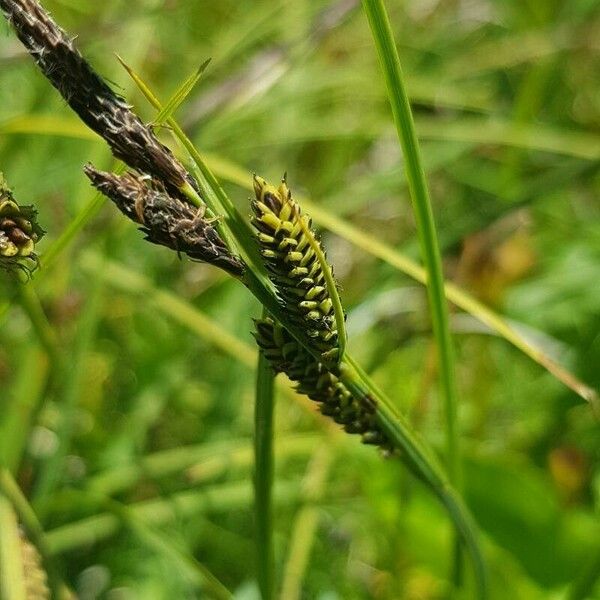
(506, 103)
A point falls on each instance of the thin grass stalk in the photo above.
(390, 63)
(216, 499)
(52, 470)
(89, 211)
(263, 476)
(46, 335)
(161, 544)
(415, 453)
(22, 405)
(306, 523)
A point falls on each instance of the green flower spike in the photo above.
(297, 267)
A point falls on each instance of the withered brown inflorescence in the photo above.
(165, 220)
(90, 97)
(157, 197)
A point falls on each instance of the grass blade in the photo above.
(52, 469)
(390, 63)
(192, 570)
(306, 524)
(217, 499)
(22, 406)
(180, 94)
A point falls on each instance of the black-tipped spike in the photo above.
(165, 220)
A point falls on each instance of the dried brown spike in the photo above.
(90, 97)
(166, 220)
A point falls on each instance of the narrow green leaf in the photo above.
(179, 95)
(306, 523)
(398, 97)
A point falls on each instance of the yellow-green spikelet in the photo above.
(293, 265)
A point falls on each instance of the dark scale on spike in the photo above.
(319, 383)
(293, 265)
(90, 97)
(165, 220)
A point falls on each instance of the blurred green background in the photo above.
(135, 391)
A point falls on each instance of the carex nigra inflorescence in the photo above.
(291, 260)
(318, 382)
(165, 220)
(156, 194)
(96, 104)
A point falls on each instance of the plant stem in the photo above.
(51, 470)
(263, 476)
(31, 304)
(390, 63)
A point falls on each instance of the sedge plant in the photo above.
(278, 258)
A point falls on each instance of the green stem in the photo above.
(263, 476)
(390, 63)
(51, 470)
(306, 523)
(32, 306)
(421, 461)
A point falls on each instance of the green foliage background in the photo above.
(137, 394)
